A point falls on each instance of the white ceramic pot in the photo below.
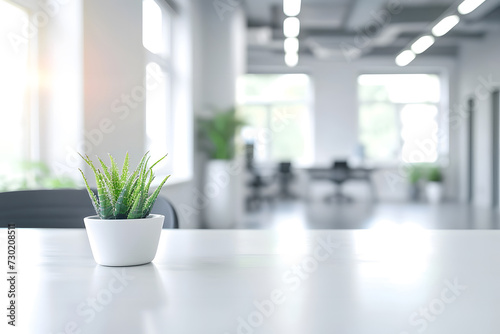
(434, 192)
(124, 242)
(222, 191)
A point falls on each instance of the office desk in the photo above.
(295, 282)
(354, 173)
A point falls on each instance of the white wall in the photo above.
(222, 45)
(114, 69)
(218, 59)
(335, 110)
(479, 76)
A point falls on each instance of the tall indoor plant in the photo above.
(217, 134)
(123, 233)
(217, 137)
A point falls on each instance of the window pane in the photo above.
(273, 87)
(152, 27)
(276, 110)
(14, 85)
(256, 118)
(379, 131)
(158, 116)
(373, 92)
(289, 133)
(398, 116)
(419, 133)
(400, 88)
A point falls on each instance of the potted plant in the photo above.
(217, 134)
(217, 137)
(434, 186)
(414, 176)
(123, 233)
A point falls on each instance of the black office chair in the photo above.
(257, 184)
(61, 208)
(285, 178)
(163, 207)
(339, 174)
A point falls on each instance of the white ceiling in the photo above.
(329, 25)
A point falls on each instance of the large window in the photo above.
(41, 112)
(156, 38)
(16, 83)
(276, 110)
(167, 47)
(399, 117)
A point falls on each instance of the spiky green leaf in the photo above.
(148, 205)
(109, 187)
(142, 179)
(135, 180)
(124, 176)
(151, 168)
(93, 198)
(105, 198)
(105, 169)
(115, 177)
(121, 207)
(136, 210)
(151, 178)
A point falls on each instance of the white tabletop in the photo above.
(387, 281)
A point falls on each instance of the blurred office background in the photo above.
(333, 114)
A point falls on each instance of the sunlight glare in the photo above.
(396, 252)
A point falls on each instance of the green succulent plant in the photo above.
(123, 194)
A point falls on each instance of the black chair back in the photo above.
(285, 167)
(340, 171)
(60, 208)
(163, 207)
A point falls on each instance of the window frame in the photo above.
(269, 105)
(441, 117)
(31, 129)
(165, 63)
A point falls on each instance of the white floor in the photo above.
(364, 215)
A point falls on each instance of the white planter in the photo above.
(124, 242)
(223, 194)
(434, 192)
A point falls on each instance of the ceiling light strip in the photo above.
(291, 30)
(291, 27)
(405, 57)
(441, 28)
(422, 44)
(291, 7)
(468, 6)
(445, 25)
